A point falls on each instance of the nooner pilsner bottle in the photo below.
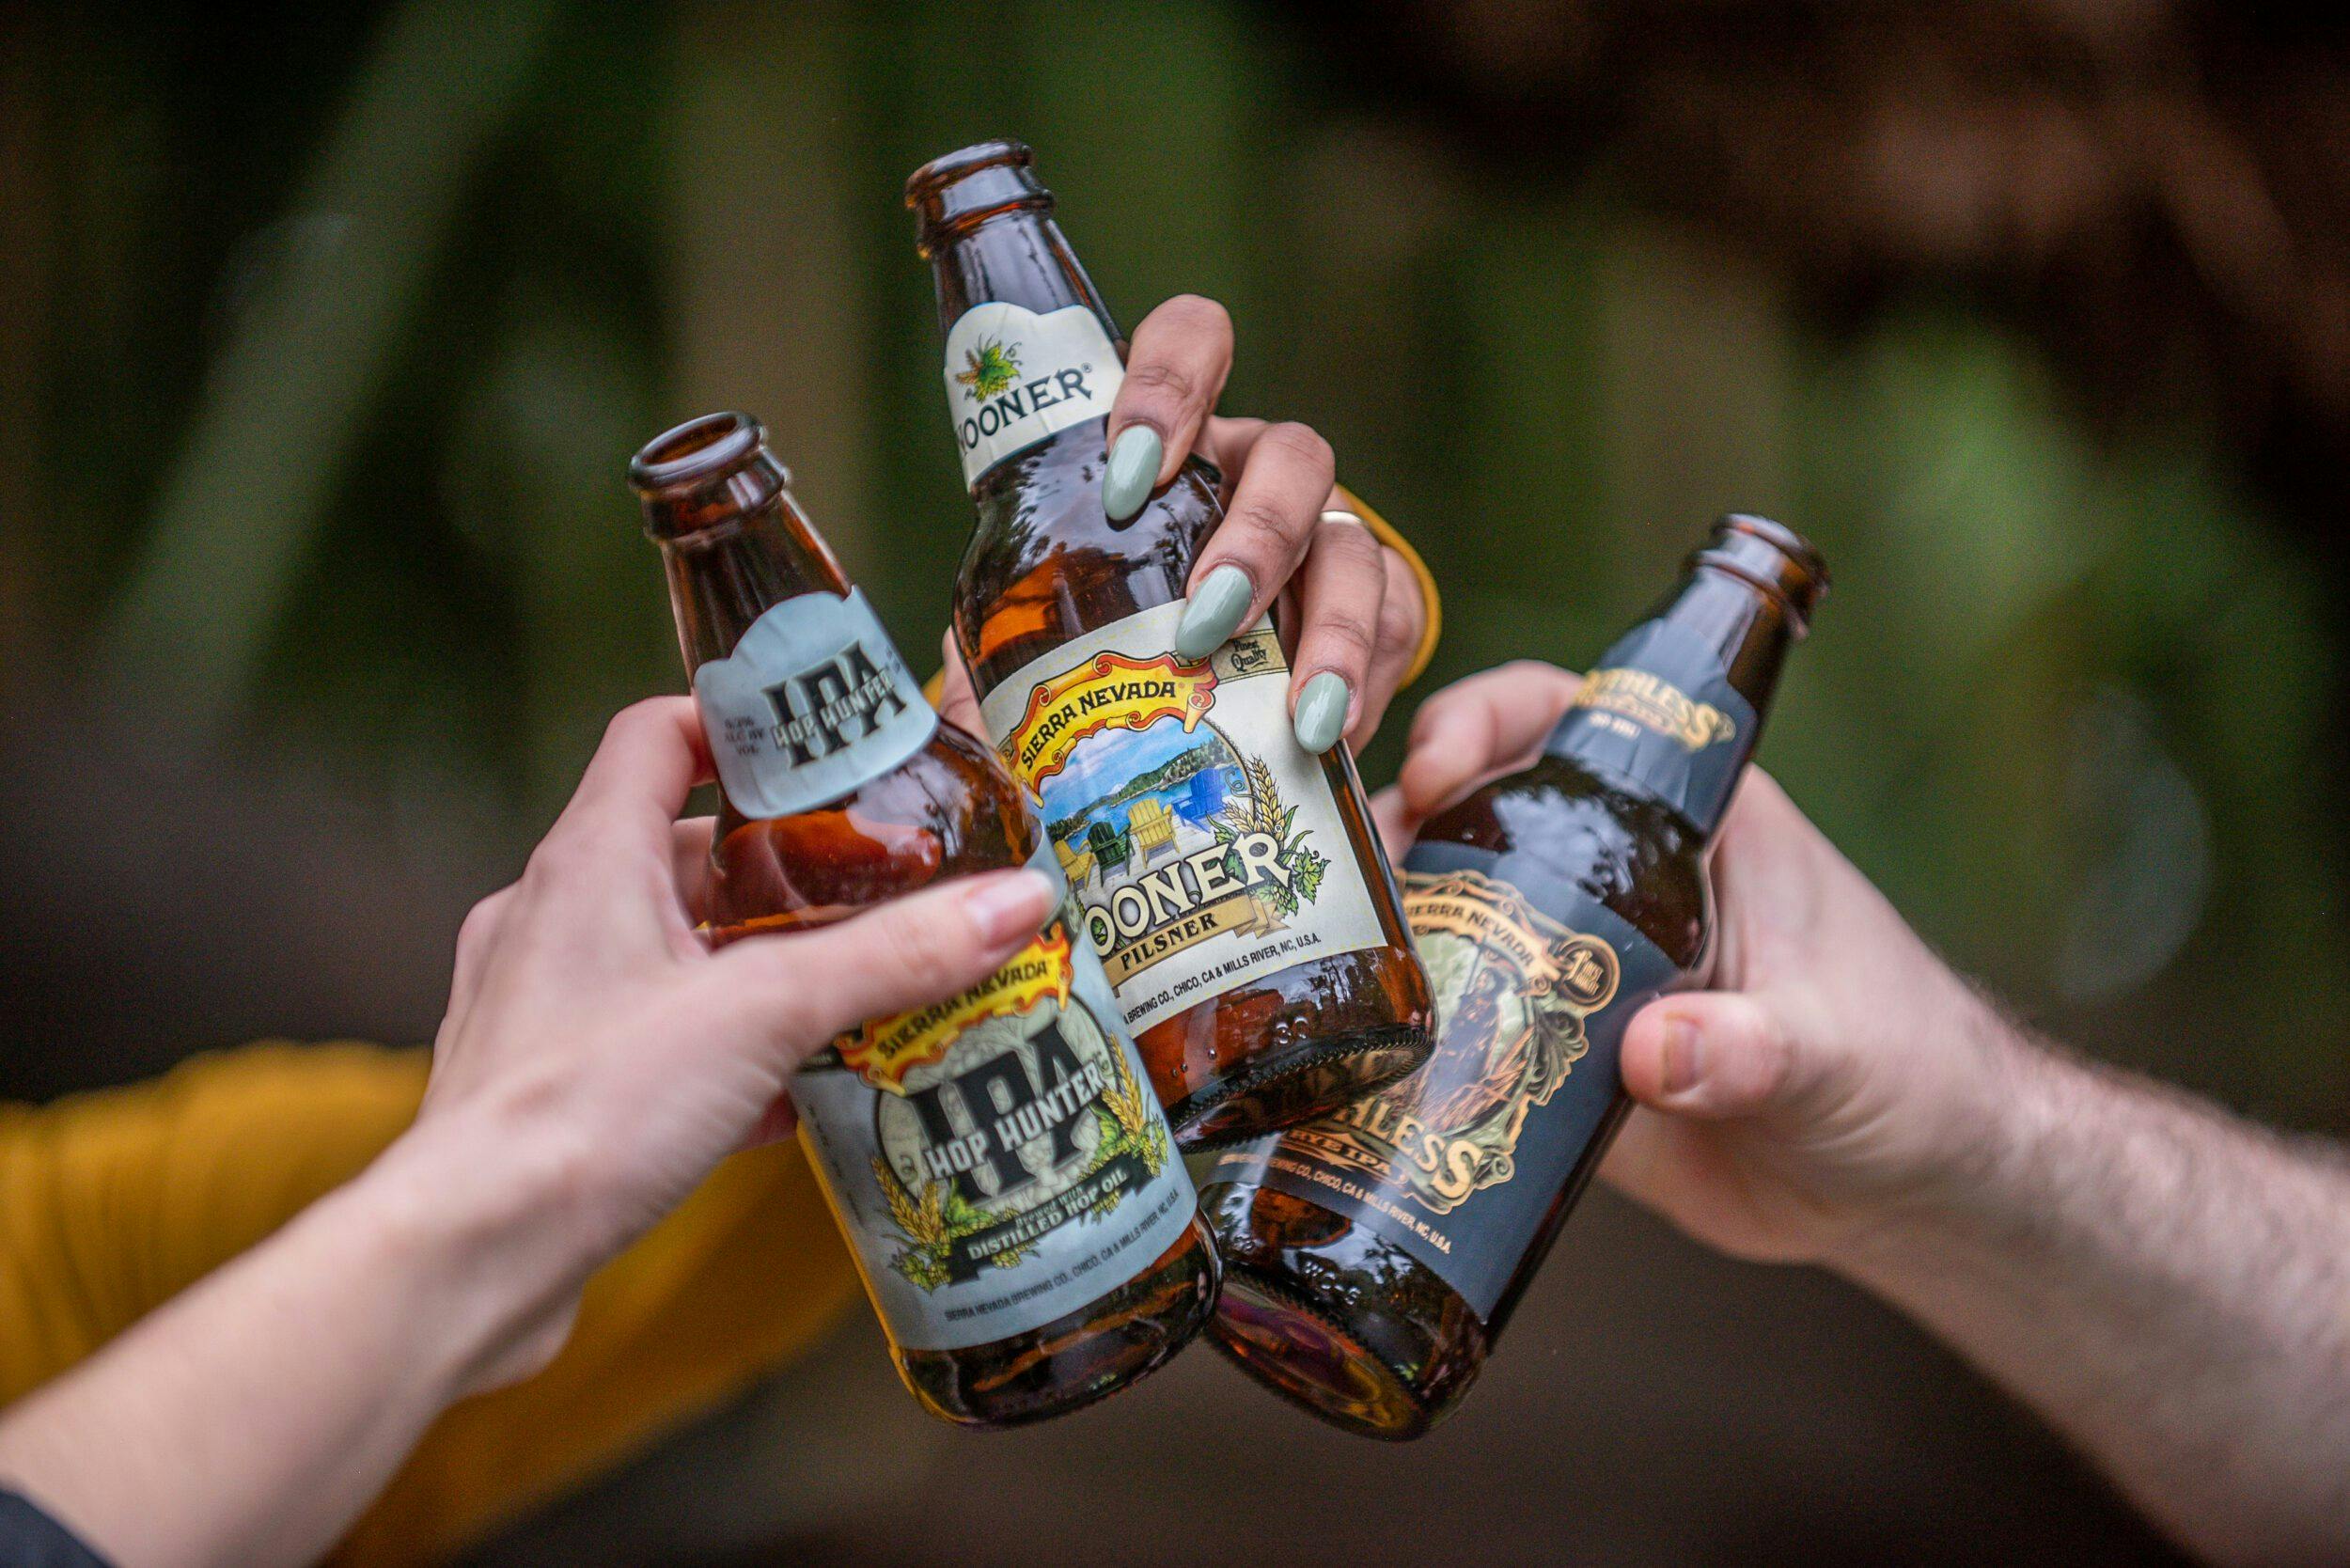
(1372, 1257)
(1007, 1185)
(1231, 881)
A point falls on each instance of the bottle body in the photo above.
(1008, 1186)
(1231, 882)
(1373, 1257)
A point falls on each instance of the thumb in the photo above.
(802, 989)
(1711, 1054)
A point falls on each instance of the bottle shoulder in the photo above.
(951, 809)
(1046, 564)
(1561, 832)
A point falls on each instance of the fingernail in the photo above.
(1133, 468)
(1682, 1056)
(1322, 712)
(1005, 907)
(1213, 612)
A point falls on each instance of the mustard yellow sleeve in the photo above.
(1431, 603)
(112, 1202)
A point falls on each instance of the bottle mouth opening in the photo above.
(689, 456)
(1772, 556)
(951, 194)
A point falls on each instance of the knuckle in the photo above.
(1399, 627)
(1263, 526)
(1158, 376)
(1345, 637)
(1302, 443)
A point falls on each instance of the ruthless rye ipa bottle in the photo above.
(1008, 1183)
(1231, 880)
(1372, 1256)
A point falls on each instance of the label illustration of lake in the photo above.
(1203, 842)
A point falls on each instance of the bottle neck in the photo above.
(724, 576)
(1674, 708)
(1015, 256)
(1032, 357)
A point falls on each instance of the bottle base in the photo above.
(1288, 1346)
(1083, 1358)
(1284, 1088)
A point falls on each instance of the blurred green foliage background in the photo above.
(339, 330)
(330, 331)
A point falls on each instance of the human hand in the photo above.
(1359, 610)
(1835, 1074)
(598, 1057)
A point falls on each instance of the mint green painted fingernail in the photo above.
(1322, 712)
(1213, 612)
(1133, 468)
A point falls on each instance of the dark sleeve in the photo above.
(31, 1539)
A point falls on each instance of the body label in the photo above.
(1014, 377)
(1203, 840)
(1461, 1162)
(1659, 710)
(812, 702)
(998, 1160)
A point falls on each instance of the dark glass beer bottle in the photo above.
(1231, 881)
(1007, 1185)
(1372, 1257)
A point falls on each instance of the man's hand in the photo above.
(2161, 1281)
(1837, 1069)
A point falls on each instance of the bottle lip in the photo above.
(703, 471)
(951, 194)
(1772, 556)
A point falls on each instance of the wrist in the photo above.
(473, 1228)
(1991, 1097)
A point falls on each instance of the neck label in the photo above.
(1659, 712)
(1015, 378)
(812, 702)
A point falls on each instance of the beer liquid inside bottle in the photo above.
(1008, 1183)
(1372, 1257)
(1232, 881)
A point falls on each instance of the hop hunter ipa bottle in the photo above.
(1372, 1256)
(1008, 1183)
(1229, 880)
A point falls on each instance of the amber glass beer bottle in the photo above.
(1007, 1185)
(1372, 1257)
(1231, 880)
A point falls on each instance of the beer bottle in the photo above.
(1231, 880)
(1007, 1183)
(1372, 1256)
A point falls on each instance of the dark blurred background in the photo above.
(326, 331)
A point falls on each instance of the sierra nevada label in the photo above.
(1204, 844)
(999, 1160)
(1014, 377)
(1459, 1162)
(813, 701)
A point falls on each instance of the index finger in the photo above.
(652, 754)
(1176, 364)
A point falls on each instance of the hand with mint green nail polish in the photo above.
(1321, 716)
(1213, 612)
(1133, 471)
